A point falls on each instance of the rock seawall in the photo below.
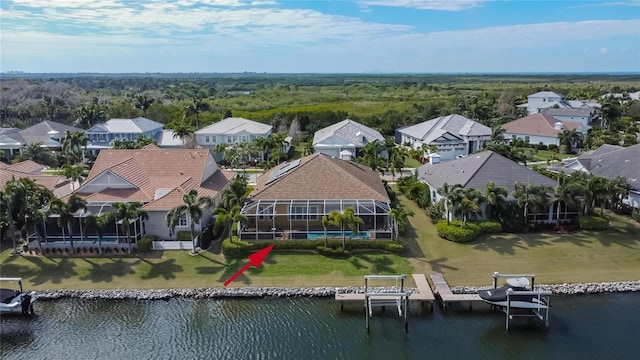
(262, 292)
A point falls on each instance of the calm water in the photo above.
(582, 327)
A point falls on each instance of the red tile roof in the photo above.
(538, 124)
(175, 171)
(31, 170)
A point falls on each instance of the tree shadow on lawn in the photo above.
(204, 255)
(410, 242)
(356, 263)
(620, 233)
(380, 265)
(439, 265)
(107, 271)
(49, 271)
(233, 266)
(166, 269)
(507, 243)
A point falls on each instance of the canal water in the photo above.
(605, 326)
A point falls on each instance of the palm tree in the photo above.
(497, 135)
(567, 139)
(98, 223)
(75, 173)
(192, 208)
(36, 152)
(325, 223)
(124, 144)
(75, 143)
(66, 213)
(531, 197)
(450, 193)
(143, 102)
(371, 156)
(496, 198)
(261, 143)
(226, 218)
(398, 158)
(196, 106)
(399, 216)
(308, 148)
(465, 207)
(89, 115)
(599, 190)
(36, 218)
(183, 131)
(12, 198)
(128, 213)
(345, 220)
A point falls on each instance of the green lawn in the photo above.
(612, 255)
(544, 155)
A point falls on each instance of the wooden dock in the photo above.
(445, 294)
(424, 294)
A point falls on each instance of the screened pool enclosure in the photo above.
(301, 219)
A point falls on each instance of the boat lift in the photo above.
(537, 307)
(398, 299)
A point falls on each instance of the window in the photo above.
(183, 220)
(228, 139)
(244, 138)
(235, 139)
(266, 213)
(526, 138)
(206, 139)
(300, 213)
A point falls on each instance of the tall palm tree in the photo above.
(192, 209)
(465, 207)
(399, 216)
(497, 135)
(226, 218)
(450, 193)
(345, 220)
(66, 212)
(128, 213)
(12, 198)
(325, 223)
(496, 198)
(143, 102)
(195, 107)
(371, 156)
(599, 190)
(308, 148)
(75, 143)
(568, 139)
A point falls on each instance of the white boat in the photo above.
(16, 300)
(515, 294)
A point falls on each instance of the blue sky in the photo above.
(324, 36)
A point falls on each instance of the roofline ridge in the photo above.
(364, 168)
(268, 184)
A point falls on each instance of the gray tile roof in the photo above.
(583, 111)
(457, 125)
(350, 131)
(235, 125)
(611, 161)
(545, 94)
(40, 132)
(477, 170)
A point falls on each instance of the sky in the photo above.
(323, 36)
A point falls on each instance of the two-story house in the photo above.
(101, 136)
(231, 131)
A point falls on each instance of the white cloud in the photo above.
(448, 5)
(604, 51)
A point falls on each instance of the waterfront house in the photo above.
(157, 178)
(346, 135)
(479, 169)
(610, 161)
(289, 200)
(539, 129)
(453, 136)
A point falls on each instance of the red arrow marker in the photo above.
(255, 259)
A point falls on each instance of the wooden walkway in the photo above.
(445, 294)
(424, 294)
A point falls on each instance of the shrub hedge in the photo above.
(184, 235)
(239, 248)
(331, 252)
(453, 231)
(593, 223)
(490, 227)
(146, 243)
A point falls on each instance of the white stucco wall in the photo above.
(534, 139)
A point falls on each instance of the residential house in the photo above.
(477, 170)
(231, 131)
(539, 129)
(453, 135)
(101, 136)
(290, 200)
(49, 133)
(548, 99)
(59, 185)
(610, 161)
(158, 178)
(584, 115)
(623, 96)
(346, 135)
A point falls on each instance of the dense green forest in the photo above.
(304, 102)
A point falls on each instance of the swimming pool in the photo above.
(313, 235)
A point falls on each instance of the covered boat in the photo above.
(16, 301)
(515, 294)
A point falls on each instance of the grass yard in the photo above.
(612, 255)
